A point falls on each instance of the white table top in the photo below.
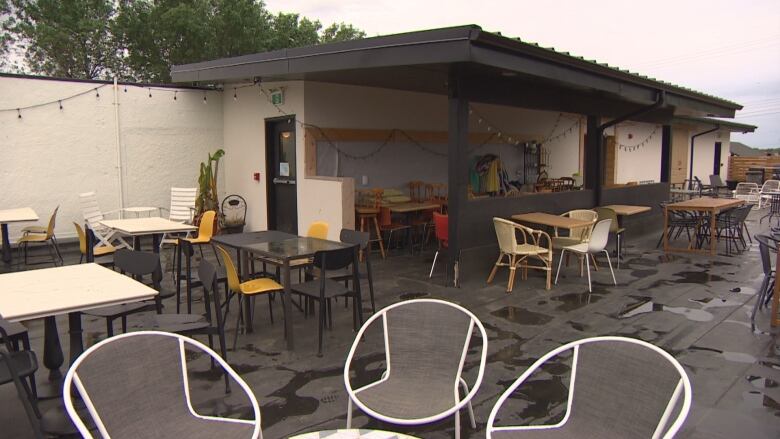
(353, 434)
(18, 215)
(147, 226)
(33, 294)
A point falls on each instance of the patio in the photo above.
(695, 307)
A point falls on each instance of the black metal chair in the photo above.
(679, 221)
(322, 289)
(361, 239)
(17, 366)
(766, 244)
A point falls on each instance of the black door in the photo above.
(716, 165)
(280, 160)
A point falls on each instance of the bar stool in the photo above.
(367, 208)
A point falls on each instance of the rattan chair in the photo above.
(136, 385)
(426, 342)
(619, 388)
(535, 246)
(577, 235)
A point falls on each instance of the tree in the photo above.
(65, 38)
(341, 32)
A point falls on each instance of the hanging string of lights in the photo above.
(96, 90)
(503, 138)
(634, 147)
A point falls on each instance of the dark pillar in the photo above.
(457, 157)
(594, 158)
(666, 154)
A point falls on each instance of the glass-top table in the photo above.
(277, 248)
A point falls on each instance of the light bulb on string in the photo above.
(19, 113)
(150, 92)
(60, 102)
(175, 93)
(97, 93)
(125, 89)
(235, 95)
(204, 98)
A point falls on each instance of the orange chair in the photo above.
(442, 224)
(367, 209)
(318, 229)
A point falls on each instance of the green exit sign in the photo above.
(277, 96)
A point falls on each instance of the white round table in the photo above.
(139, 210)
(353, 434)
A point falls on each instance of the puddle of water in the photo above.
(646, 305)
(737, 357)
(572, 301)
(761, 382)
(757, 399)
(577, 326)
(753, 329)
(521, 316)
(541, 302)
(749, 291)
(714, 302)
(697, 277)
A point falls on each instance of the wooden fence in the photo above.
(738, 165)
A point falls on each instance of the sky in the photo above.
(730, 49)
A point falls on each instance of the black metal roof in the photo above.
(728, 125)
(497, 69)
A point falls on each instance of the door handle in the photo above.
(278, 180)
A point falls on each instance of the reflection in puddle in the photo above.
(737, 357)
(752, 328)
(761, 382)
(410, 296)
(522, 316)
(646, 305)
(757, 399)
(572, 301)
(714, 302)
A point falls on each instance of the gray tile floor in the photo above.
(695, 307)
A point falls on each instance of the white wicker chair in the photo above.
(136, 385)
(625, 388)
(425, 346)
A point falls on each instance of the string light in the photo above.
(60, 102)
(150, 92)
(175, 93)
(97, 93)
(204, 98)
(19, 113)
(235, 94)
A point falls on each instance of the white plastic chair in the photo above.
(182, 209)
(765, 194)
(93, 216)
(425, 343)
(624, 388)
(596, 244)
(136, 385)
(748, 192)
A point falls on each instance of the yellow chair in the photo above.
(41, 235)
(247, 289)
(318, 229)
(535, 245)
(205, 232)
(97, 251)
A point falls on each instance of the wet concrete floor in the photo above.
(694, 306)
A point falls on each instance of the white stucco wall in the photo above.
(704, 154)
(644, 162)
(52, 155)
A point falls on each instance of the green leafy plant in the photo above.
(208, 198)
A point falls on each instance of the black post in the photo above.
(457, 157)
(594, 162)
(666, 154)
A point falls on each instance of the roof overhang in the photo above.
(725, 125)
(491, 68)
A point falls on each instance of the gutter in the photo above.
(693, 140)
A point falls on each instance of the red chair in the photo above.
(442, 224)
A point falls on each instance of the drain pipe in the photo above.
(693, 139)
(660, 100)
(118, 149)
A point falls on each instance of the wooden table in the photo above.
(411, 207)
(155, 226)
(12, 216)
(628, 209)
(713, 206)
(49, 292)
(281, 249)
(546, 219)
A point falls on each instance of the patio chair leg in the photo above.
(271, 307)
(349, 412)
(587, 262)
(430, 275)
(610, 268)
(457, 424)
(471, 409)
(619, 251)
(239, 318)
(559, 267)
(321, 326)
(495, 268)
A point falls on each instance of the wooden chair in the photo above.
(417, 191)
(367, 207)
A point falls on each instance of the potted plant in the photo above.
(208, 198)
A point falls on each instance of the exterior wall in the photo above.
(703, 155)
(643, 163)
(52, 155)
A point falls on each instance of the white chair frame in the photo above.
(93, 216)
(765, 197)
(182, 210)
(753, 193)
(683, 386)
(72, 378)
(591, 250)
(455, 409)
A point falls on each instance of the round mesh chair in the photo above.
(233, 213)
(425, 345)
(625, 388)
(136, 385)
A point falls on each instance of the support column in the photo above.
(666, 154)
(594, 158)
(457, 157)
